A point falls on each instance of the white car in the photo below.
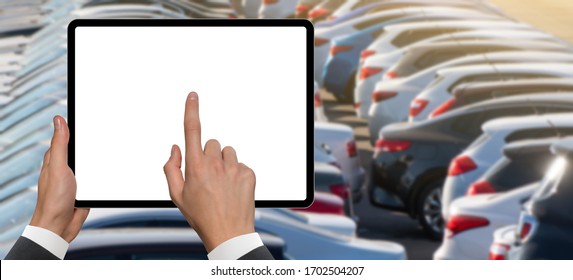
(319, 114)
(340, 141)
(324, 35)
(303, 239)
(376, 63)
(502, 246)
(486, 149)
(277, 8)
(469, 230)
(431, 101)
(391, 103)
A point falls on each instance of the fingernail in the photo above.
(192, 95)
(57, 123)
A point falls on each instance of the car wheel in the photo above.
(430, 210)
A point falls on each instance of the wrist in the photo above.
(47, 224)
(212, 241)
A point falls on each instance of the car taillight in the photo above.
(443, 108)
(480, 187)
(316, 13)
(460, 165)
(357, 105)
(366, 72)
(351, 148)
(391, 75)
(317, 100)
(266, 2)
(498, 251)
(340, 190)
(525, 229)
(366, 53)
(301, 8)
(378, 96)
(319, 41)
(383, 145)
(334, 50)
(417, 106)
(457, 224)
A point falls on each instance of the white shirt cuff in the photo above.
(50, 241)
(236, 247)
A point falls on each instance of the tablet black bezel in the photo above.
(191, 23)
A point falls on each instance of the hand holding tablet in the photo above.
(217, 193)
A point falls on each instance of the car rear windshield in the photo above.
(488, 93)
(508, 174)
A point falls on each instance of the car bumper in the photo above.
(456, 187)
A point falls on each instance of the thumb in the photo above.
(79, 217)
(173, 174)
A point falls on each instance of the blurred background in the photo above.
(441, 129)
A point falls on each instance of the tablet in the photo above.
(128, 81)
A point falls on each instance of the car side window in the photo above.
(411, 36)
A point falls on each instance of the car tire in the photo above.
(429, 209)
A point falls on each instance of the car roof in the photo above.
(129, 236)
(529, 146)
(516, 123)
(400, 27)
(469, 88)
(506, 67)
(563, 147)
(430, 46)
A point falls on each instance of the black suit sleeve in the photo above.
(259, 253)
(26, 249)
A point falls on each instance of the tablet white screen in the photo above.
(131, 84)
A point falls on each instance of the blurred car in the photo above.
(410, 160)
(503, 240)
(390, 100)
(340, 141)
(361, 7)
(340, 68)
(475, 160)
(319, 114)
(328, 178)
(150, 244)
(251, 8)
(277, 8)
(15, 214)
(304, 6)
(474, 92)
(374, 65)
(302, 240)
(323, 10)
(544, 229)
(470, 228)
(325, 203)
(500, 67)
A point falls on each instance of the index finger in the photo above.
(193, 149)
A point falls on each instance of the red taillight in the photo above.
(457, 224)
(443, 108)
(334, 50)
(316, 13)
(391, 75)
(480, 187)
(317, 100)
(525, 229)
(319, 41)
(340, 190)
(461, 165)
(498, 251)
(417, 106)
(232, 16)
(383, 145)
(357, 105)
(366, 53)
(351, 148)
(378, 96)
(301, 8)
(366, 72)
(266, 2)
